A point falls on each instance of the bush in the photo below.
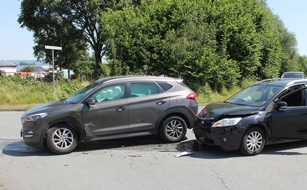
(28, 69)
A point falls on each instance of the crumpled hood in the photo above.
(216, 111)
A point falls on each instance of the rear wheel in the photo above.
(61, 139)
(173, 129)
(253, 141)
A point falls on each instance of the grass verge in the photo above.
(18, 94)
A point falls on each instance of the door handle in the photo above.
(120, 109)
(160, 102)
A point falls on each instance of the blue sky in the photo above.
(17, 43)
(293, 14)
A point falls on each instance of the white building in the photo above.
(7, 68)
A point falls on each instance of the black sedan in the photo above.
(268, 112)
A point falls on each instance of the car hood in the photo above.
(216, 111)
(47, 107)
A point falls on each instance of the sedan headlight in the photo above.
(35, 117)
(227, 122)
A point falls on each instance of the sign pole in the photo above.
(53, 48)
(53, 70)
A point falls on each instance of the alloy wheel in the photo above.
(63, 138)
(174, 129)
(254, 141)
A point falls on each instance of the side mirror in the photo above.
(281, 105)
(90, 101)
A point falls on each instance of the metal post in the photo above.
(53, 48)
(53, 70)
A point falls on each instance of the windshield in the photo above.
(82, 93)
(256, 95)
(293, 75)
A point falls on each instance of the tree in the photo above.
(205, 42)
(213, 42)
(302, 60)
(72, 24)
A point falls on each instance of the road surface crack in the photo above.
(220, 178)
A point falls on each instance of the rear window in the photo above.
(144, 89)
(165, 86)
(293, 75)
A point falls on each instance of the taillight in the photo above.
(192, 96)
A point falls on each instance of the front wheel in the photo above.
(253, 141)
(61, 139)
(173, 129)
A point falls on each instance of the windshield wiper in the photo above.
(237, 103)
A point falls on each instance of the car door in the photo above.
(291, 122)
(110, 114)
(146, 103)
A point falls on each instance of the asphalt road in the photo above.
(144, 163)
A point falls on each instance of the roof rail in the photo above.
(290, 80)
(269, 80)
(298, 81)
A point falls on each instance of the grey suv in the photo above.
(111, 108)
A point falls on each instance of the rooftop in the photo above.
(4, 63)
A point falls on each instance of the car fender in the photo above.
(183, 111)
(71, 119)
(260, 119)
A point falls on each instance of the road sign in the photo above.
(53, 47)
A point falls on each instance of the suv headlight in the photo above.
(227, 122)
(34, 117)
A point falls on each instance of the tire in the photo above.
(173, 129)
(61, 139)
(253, 141)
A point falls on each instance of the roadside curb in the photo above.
(12, 109)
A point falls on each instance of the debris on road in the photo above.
(186, 153)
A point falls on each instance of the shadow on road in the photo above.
(286, 148)
(135, 143)
(20, 149)
(189, 148)
(147, 143)
(195, 150)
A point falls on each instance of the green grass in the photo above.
(17, 93)
(216, 97)
(211, 96)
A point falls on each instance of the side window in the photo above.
(165, 86)
(114, 92)
(294, 97)
(144, 89)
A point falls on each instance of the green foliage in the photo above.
(218, 43)
(302, 60)
(206, 95)
(83, 67)
(28, 69)
(117, 68)
(72, 24)
(105, 69)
